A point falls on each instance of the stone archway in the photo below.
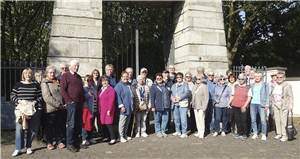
(198, 40)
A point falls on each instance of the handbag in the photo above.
(290, 129)
(142, 106)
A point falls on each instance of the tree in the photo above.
(25, 29)
(263, 33)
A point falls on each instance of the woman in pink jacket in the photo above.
(106, 103)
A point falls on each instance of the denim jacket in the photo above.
(264, 94)
(182, 90)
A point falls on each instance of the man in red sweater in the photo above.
(72, 93)
(239, 101)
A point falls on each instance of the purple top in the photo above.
(71, 88)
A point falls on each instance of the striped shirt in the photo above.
(27, 91)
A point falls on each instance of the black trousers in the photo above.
(55, 126)
(241, 121)
(109, 131)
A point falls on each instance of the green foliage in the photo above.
(25, 29)
(263, 33)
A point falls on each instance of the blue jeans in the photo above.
(221, 115)
(74, 123)
(254, 109)
(180, 118)
(20, 136)
(161, 120)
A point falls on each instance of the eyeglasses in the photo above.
(210, 75)
(222, 79)
(159, 78)
(187, 76)
(178, 77)
(241, 78)
(280, 77)
(198, 79)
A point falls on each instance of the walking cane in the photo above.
(133, 123)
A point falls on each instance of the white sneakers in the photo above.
(176, 134)
(28, 151)
(215, 134)
(223, 133)
(123, 140)
(277, 137)
(183, 136)
(264, 137)
(254, 136)
(144, 134)
(15, 153)
(137, 135)
(283, 139)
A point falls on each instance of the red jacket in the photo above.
(86, 119)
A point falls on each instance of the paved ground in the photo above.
(170, 147)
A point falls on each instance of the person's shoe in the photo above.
(215, 134)
(137, 135)
(164, 134)
(71, 148)
(61, 145)
(264, 137)
(144, 134)
(223, 133)
(183, 136)
(50, 147)
(128, 138)
(243, 137)
(176, 134)
(28, 151)
(201, 136)
(254, 136)
(111, 142)
(15, 153)
(283, 139)
(123, 140)
(105, 139)
(277, 137)
(196, 134)
(85, 142)
(159, 135)
(92, 141)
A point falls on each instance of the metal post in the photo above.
(137, 51)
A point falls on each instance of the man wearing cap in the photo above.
(144, 73)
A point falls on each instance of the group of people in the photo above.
(73, 107)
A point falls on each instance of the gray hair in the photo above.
(74, 62)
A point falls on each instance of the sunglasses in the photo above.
(210, 75)
(241, 78)
(222, 79)
(64, 68)
(159, 78)
(198, 79)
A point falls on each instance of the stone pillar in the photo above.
(199, 37)
(77, 34)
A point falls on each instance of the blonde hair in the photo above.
(29, 70)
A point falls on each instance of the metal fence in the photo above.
(11, 73)
(236, 70)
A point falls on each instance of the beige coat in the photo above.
(51, 96)
(287, 96)
(200, 97)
